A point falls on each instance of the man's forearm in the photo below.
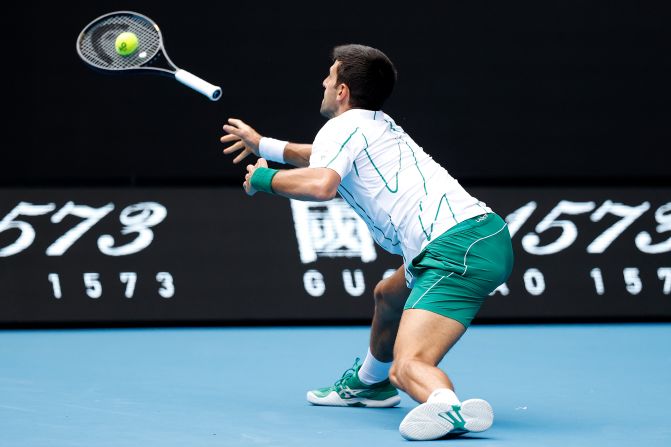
(315, 184)
(298, 154)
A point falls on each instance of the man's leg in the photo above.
(390, 295)
(423, 340)
(367, 384)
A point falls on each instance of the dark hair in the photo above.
(367, 72)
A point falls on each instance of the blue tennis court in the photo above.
(558, 385)
(202, 209)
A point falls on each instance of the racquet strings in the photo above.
(97, 43)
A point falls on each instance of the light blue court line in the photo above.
(565, 385)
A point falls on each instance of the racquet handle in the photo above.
(211, 91)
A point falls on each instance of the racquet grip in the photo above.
(211, 91)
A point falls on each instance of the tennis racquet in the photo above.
(96, 47)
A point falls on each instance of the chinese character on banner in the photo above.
(331, 229)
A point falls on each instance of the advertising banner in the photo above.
(214, 255)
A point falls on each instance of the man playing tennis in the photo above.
(455, 249)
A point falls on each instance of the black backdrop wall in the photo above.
(496, 91)
(555, 113)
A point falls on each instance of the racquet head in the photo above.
(96, 45)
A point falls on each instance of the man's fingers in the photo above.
(228, 138)
(241, 156)
(248, 189)
(250, 168)
(234, 147)
(236, 122)
(262, 162)
(237, 131)
(233, 130)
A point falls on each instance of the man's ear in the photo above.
(343, 93)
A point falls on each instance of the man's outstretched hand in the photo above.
(243, 137)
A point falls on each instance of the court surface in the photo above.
(558, 385)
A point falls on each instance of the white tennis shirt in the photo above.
(405, 197)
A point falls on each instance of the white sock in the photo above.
(444, 395)
(373, 371)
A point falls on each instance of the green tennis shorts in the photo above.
(457, 271)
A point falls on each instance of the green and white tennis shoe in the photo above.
(349, 391)
(433, 420)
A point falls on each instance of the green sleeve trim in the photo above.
(262, 179)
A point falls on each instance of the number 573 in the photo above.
(137, 218)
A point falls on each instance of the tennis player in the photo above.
(455, 249)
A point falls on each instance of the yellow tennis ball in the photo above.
(126, 43)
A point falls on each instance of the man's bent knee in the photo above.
(401, 371)
(395, 375)
(388, 299)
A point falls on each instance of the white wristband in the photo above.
(272, 149)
